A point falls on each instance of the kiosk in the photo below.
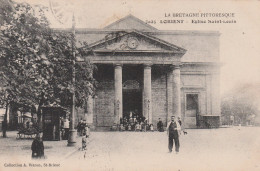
(52, 122)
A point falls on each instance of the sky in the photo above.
(239, 51)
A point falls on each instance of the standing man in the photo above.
(173, 131)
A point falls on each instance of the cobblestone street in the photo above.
(201, 149)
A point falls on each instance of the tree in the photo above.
(6, 8)
(36, 61)
(242, 102)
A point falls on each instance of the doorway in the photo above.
(192, 109)
(132, 91)
(132, 103)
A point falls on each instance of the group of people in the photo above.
(37, 146)
(134, 126)
(30, 124)
(133, 122)
(82, 128)
(173, 131)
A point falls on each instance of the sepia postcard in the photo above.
(130, 85)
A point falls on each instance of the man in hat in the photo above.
(173, 131)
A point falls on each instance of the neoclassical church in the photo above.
(153, 73)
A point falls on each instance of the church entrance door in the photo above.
(132, 103)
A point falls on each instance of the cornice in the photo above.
(155, 32)
(137, 51)
(203, 63)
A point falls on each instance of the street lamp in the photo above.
(62, 18)
(72, 131)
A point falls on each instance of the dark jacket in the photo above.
(160, 126)
(171, 129)
(37, 148)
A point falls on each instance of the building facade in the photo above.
(153, 73)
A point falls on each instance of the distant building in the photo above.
(152, 73)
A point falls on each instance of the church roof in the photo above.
(130, 22)
(119, 34)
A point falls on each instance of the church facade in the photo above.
(152, 73)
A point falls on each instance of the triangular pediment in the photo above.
(130, 22)
(134, 41)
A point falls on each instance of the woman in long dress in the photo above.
(37, 147)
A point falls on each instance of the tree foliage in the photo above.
(36, 61)
(242, 102)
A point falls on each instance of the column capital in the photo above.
(175, 66)
(147, 65)
(118, 65)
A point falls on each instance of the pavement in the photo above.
(232, 148)
(22, 147)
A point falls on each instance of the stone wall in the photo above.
(103, 114)
(104, 104)
(159, 96)
(200, 46)
(204, 81)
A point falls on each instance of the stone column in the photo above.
(89, 114)
(147, 94)
(176, 91)
(118, 108)
(169, 94)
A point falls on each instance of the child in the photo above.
(142, 127)
(151, 127)
(114, 127)
(87, 131)
(122, 128)
(84, 142)
(137, 127)
(129, 128)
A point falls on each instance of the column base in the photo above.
(72, 138)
